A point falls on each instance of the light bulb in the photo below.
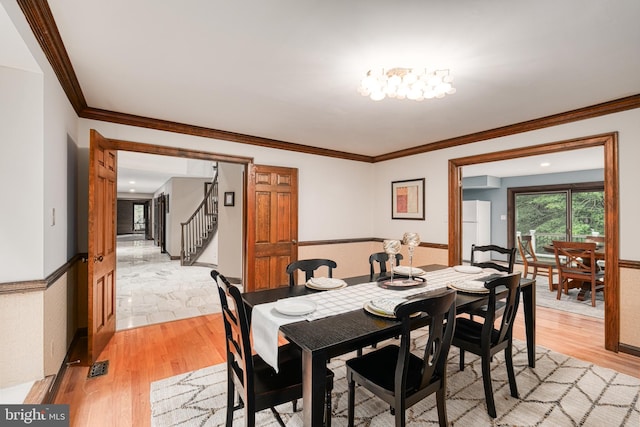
(377, 96)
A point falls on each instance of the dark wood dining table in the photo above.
(336, 335)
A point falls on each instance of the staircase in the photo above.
(200, 228)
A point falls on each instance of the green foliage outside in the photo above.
(546, 213)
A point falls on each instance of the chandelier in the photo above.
(410, 83)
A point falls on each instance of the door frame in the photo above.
(609, 141)
(139, 147)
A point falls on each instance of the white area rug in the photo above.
(560, 391)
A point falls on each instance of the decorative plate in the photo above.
(469, 269)
(325, 283)
(471, 286)
(294, 306)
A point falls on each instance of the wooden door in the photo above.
(102, 244)
(272, 225)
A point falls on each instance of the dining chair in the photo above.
(599, 240)
(380, 258)
(509, 252)
(530, 259)
(309, 266)
(576, 262)
(258, 385)
(494, 334)
(400, 377)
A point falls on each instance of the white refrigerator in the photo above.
(476, 228)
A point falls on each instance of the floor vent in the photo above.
(98, 368)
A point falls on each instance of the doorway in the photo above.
(609, 142)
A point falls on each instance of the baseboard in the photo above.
(57, 379)
(629, 349)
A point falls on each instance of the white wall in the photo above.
(434, 167)
(335, 195)
(230, 220)
(22, 175)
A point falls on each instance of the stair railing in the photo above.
(199, 229)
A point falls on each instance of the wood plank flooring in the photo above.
(138, 357)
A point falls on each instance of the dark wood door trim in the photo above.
(609, 142)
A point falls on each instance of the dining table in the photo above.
(334, 335)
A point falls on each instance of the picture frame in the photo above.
(407, 199)
(229, 198)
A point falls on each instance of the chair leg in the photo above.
(461, 359)
(294, 403)
(593, 293)
(488, 389)
(560, 286)
(508, 357)
(231, 395)
(441, 401)
(550, 274)
(328, 409)
(351, 402)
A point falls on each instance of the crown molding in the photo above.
(40, 18)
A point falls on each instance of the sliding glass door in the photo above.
(559, 212)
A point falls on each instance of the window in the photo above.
(570, 212)
(139, 220)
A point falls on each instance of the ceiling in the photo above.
(289, 70)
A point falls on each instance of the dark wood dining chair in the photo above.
(258, 385)
(510, 253)
(380, 259)
(398, 376)
(530, 259)
(485, 339)
(309, 266)
(576, 262)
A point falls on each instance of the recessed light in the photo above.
(545, 164)
(132, 182)
(132, 190)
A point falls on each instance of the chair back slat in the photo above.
(576, 259)
(505, 289)
(441, 308)
(237, 334)
(308, 266)
(380, 258)
(510, 253)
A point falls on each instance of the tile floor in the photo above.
(151, 288)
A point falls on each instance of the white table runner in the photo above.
(266, 320)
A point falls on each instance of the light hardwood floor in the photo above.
(138, 357)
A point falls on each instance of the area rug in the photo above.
(568, 303)
(559, 391)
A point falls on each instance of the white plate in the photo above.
(469, 269)
(325, 283)
(472, 286)
(405, 270)
(295, 307)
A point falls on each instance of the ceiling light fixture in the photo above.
(410, 83)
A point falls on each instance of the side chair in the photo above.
(576, 262)
(398, 376)
(530, 259)
(509, 252)
(485, 339)
(380, 258)
(257, 384)
(309, 266)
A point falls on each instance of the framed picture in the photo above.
(407, 199)
(229, 198)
